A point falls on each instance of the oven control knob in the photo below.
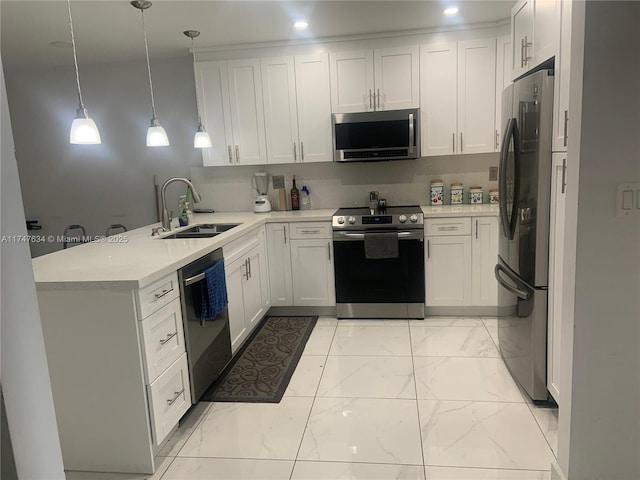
(413, 218)
(340, 220)
(402, 218)
(352, 220)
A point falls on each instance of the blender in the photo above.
(261, 185)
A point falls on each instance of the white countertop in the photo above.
(135, 259)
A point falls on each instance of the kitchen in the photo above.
(354, 173)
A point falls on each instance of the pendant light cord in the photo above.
(193, 51)
(75, 57)
(146, 49)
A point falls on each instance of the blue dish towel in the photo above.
(214, 291)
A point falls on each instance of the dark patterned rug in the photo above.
(261, 371)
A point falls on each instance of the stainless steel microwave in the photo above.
(375, 136)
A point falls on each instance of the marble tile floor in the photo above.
(374, 400)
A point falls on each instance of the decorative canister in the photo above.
(457, 194)
(475, 195)
(436, 192)
(494, 196)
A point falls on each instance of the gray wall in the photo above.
(97, 185)
(603, 390)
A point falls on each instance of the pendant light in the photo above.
(156, 135)
(201, 139)
(83, 129)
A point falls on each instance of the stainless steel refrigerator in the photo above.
(523, 260)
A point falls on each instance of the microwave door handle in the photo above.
(411, 133)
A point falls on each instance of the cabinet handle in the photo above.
(284, 232)
(564, 175)
(302, 151)
(169, 337)
(428, 249)
(164, 292)
(230, 154)
(522, 52)
(526, 48)
(378, 98)
(329, 250)
(246, 270)
(295, 154)
(370, 104)
(249, 263)
(453, 141)
(448, 229)
(176, 395)
(497, 140)
(461, 144)
(237, 153)
(566, 122)
(310, 231)
(476, 229)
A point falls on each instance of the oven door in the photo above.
(390, 280)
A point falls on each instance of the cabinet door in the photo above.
(279, 254)
(521, 37)
(235, 277)
(503, 79)
(247, 112)
(448, 270)
(313, 95)
(396, 78)
(438, 70)
(352, 84)
(484, 256)
(252, 289)
(561, 81)
(313, 275)
(546, 30)
(476, 95)
(556, 257)
(280, 109)
(212, 90)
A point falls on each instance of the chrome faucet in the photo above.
(166, 222)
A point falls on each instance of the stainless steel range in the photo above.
(379, 262)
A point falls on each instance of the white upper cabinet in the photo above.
(561, 81)
(534, 33)
(476, 95)
(297, 108)
(503, 80)
(280, 109)
(457, 98)
(368, 80)
(212, 88)
(313, 96)
(438, 98)
(247, 113)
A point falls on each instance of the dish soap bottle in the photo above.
(183, 219)
(295, 196)
(305, 202)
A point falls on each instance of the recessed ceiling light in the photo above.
(300, 25)
(61, 44)
(451, 11)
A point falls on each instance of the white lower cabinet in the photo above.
(460, 255)
(301, 264)
(247, 286)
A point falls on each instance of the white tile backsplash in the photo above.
(332, 185)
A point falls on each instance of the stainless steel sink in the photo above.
(203, 231)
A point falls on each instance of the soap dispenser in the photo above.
(305, 201)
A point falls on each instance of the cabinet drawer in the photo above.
(302, 230)
(162, 339)
(158, 294)
(447, 226)
(169, 399)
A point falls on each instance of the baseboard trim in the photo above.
(320, 311)
(460, 310)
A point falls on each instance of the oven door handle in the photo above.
(346, 236)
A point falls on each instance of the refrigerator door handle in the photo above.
(499, 270)
(502, 178)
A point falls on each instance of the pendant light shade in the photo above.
(201, 139)
(156, 135)
(84, 130)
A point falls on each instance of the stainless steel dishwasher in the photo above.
(208, 342)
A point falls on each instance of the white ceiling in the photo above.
(111, 30)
